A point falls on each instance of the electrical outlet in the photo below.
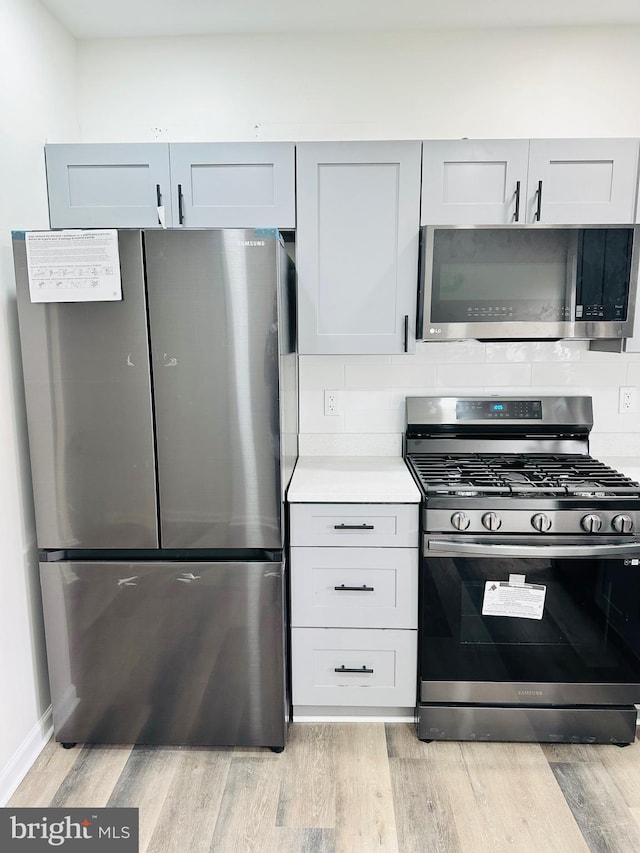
(331, 404)
(628, 400)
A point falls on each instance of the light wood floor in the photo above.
(354, 788)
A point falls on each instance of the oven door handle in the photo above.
(479, 549)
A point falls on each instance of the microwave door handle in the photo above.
(479, 549)
(572, 278)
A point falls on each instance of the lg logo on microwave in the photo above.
(433, 331)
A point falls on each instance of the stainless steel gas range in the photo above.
(530, 573)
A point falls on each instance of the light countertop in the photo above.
(352, 479)
(378, 479)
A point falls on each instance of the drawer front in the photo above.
(354, 667)
(354, 587)
(359, 525)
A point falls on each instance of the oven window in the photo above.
(563, 620)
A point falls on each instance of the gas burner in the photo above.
(536, 474)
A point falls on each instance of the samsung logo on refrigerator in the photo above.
(251, 243)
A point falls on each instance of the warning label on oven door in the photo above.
(519, 600)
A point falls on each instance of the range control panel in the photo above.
(466, 520)
(473, 410)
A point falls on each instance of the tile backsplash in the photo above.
(370, 419)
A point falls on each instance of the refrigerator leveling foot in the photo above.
(68, 745)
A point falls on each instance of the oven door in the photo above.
(523, 624)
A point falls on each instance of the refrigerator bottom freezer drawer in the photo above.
(166, 653)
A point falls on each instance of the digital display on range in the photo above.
(474, 410)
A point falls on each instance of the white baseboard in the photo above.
(346, 714)
(23, 758)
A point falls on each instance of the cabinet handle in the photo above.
(180, 205)
(344, 668)
(539, 205)
(406, 333)
(353, 527)
(158, 196)
(363, 588)
(516, 215)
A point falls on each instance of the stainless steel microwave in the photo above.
(527, 282)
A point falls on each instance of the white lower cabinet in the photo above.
(354, 607)
(354, 587)
(350, 666)
(349, 525)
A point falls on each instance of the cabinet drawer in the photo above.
(375, 525)
(354, 667)
(354, 587)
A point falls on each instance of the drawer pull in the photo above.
(363, 588)
(353, 527)
(344, 668)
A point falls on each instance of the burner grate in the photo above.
(520, 474)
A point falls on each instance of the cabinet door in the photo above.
(108, 185)
(357, 246)
(582, 181)
(474, 181)
(234, 185)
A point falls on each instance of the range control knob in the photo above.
(460, 520)
(622, 523)
(491, 521)
(591, 523)
(541, 522)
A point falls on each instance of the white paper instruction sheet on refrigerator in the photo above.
(73, 266)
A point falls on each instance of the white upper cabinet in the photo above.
(582, 181)
(474, 181)
(357, 232)
(234, 185)
(553, 181)
(108, 185)
(130, 185)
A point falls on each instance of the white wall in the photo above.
(374, 388)
(493, 83)
(488, 83)
(37, 100)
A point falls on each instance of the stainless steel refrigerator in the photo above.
(163, 434)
